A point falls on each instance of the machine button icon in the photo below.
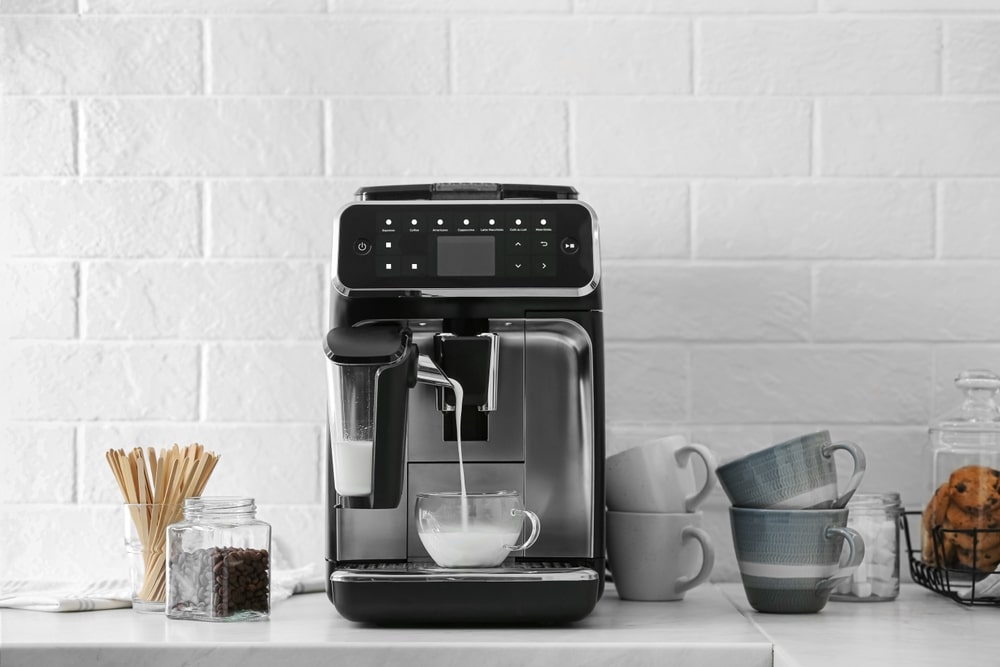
(362, 246)
(518, 266)
(543, 267)
(543, 244)
(569, 245)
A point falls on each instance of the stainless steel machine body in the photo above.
(504, 295)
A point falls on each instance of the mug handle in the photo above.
(707, 558)
(859, 469)
(856, 548)
(683, 456)
(536, 528)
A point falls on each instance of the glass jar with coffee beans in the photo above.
(218, 562)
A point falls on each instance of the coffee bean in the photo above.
(220, 581)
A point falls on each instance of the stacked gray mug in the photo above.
(657, 549)
(790, 524)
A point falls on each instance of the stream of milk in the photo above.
(459, 396)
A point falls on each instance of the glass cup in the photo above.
(474, 530)
(145, 544)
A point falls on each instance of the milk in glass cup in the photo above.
(472, 530)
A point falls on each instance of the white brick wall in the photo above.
(800, 208)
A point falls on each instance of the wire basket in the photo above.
(964, 585)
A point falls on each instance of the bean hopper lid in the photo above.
(977, 417)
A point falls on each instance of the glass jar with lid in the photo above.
(969, 435)
(961, 521)
(218, 562)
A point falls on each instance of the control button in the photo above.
(362, 246)
(441, 223)
(515, 220)
(518, 266)
(412, 266)
(387, 267)
(543, 244)
(518, 243)
(569, 245)
(543, 221)
(389, 245)
(464, 221)
(543, 267)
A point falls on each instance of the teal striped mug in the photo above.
(790, 560)
(796, 474)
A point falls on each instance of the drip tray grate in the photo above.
(427, 571)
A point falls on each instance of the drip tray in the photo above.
(525, 571)
(420, 593)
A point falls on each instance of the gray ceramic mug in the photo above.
(795, 474)
(789, 560)
(658, 556)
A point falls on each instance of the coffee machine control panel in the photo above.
(438, 245)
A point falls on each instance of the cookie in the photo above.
(984, 557)
(975, 490)
(935, 516)
(966, 509)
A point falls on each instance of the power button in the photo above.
(362, 246)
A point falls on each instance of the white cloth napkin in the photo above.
(65, 595)
(115, 593)
(986, 588)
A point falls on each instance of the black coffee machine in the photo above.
(496, 286)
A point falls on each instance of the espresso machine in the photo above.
(496, 286)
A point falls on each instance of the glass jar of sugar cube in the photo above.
(876, 517)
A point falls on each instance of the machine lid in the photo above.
(377, 344)
(462, 191)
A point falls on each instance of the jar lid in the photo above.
(878, 500)
(978, 411)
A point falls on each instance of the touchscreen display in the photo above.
(466, 256)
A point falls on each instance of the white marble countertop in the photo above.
(704, 629)
(919, 628)
(713, 626)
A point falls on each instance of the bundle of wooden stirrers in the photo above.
(156, 485)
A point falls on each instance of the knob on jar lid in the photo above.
(979, 409)
(978, 379)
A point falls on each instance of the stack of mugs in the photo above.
(790, 522)
(657, 549)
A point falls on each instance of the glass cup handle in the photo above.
(856, 554)
(536, 527)
(859, 469)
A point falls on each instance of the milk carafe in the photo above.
(370, 372)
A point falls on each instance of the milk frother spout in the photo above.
(430, 373)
